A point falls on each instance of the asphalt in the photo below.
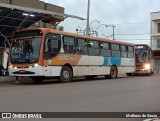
(6, 79)
(125, 94)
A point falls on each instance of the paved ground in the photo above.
(127, 94)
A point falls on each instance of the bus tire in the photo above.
(113, 72)
(129, 74)
(150, 73)
(66, 75)
(37, 79)
(90, 77)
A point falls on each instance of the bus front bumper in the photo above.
(142, 71)
(26, 72)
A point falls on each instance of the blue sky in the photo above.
(131, 17)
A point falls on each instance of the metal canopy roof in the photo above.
(14, 18)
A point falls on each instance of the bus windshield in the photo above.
(25, 50)
(141, 55)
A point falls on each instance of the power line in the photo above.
(135, 34)
(133, 23)
(131, 39)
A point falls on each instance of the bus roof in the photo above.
(141, 44)
(45, 30)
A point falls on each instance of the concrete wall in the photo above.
(155, 15)
(29, 3)
(35, 4)
(38, 5)
(5, 1)
(54, 8)
(157, 64)
(154, 26)
(155, 19)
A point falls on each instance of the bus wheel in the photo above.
(66, 75)
(150, 73)
(129, 74)
(113, 72)
(90, 77)
(37, 79)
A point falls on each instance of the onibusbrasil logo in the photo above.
(21, 115)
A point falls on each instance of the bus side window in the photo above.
(81, 46)
(105, 49)
(123, 51)
(94, 48)
(130, 52)
(69, 44)
(115, 50)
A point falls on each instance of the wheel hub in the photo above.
(66, 74)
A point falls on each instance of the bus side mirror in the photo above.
(48, 45)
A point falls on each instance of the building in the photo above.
(155, 39)
(20, 14)
(41, 6)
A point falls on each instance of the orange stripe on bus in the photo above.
(63, 59)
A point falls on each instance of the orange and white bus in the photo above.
(41, 52)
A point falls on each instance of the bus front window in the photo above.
(25, 50)
(141, 55)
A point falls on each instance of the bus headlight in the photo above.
(147, 66)
(36, 65)
(11, 66)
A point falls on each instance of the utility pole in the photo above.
(113, 31)
(87, 25)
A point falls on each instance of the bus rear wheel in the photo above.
(90, 77)
(66, 75)
(129, 74)
(113, 72)
(37, 79)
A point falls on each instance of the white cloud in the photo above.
(112, 12)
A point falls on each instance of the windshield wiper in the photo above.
(31, 60)
(24, 61)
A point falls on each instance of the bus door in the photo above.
(82, 66)
(52, 46)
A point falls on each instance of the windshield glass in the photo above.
(141, 55)
(25, 50)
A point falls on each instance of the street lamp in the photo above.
(98, 27)
(91, 30)
(94, 21)
(101, 25)
(79, 30)
(107, 25)
(92, 27)
(107, 37)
